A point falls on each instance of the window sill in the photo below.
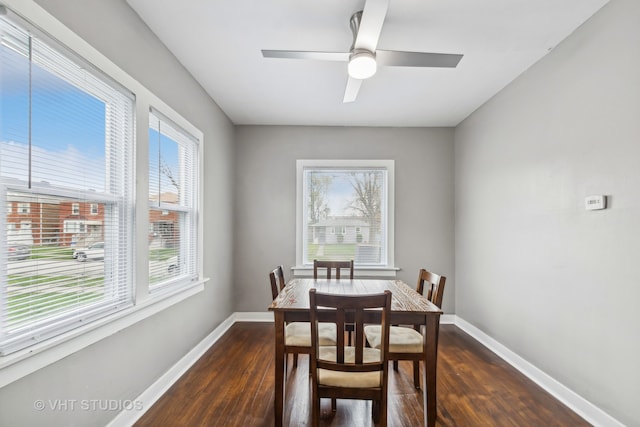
(387, 272)
(24, 362)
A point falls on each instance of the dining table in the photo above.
(407, 307)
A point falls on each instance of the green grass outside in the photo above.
(41, 303)
(64, 281)
(162, 254)
(331, 251)
(65, 253)
(46, 304)
(51, 252)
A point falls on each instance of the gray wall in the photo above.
(125, 364)
(266, 198)
(554, 283)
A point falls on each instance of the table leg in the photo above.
(430, 364)
(278, 405)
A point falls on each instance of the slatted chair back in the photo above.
(343, 371)
(277, 281)
(435, 286)
(332, 265)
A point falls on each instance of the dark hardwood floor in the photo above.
(232, 385)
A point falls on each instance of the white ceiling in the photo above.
(219, 42)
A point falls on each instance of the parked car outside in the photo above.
(172, 265)
(95, 251)
(19, 252)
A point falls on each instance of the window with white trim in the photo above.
(345, 211)
(66, 138)
(93, 210)
(173, 208)
(24, 208)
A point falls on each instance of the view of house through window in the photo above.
(345, 213)
(173, 170)
(66, 137)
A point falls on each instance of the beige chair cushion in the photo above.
(299, 334)
(401, 339)
(349, 379)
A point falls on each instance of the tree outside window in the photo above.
(345, 211)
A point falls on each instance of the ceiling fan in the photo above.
(363, 57)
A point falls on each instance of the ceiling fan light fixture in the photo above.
(362, 64)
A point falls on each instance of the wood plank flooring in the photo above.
(232, 385)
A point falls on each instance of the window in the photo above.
(66, 139)
(9, 208)
(94, 209)
(173, 190)
(74, 227)
(345, 211)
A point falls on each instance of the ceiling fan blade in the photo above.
(417, 59)
(370, 27)
(301, 54)
(351, 92)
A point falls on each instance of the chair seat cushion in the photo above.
(349, 379)
(401, 339)
(299, 334)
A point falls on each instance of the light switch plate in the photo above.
(593, 203)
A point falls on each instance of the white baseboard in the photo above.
(448, 319)
(260, 316)
(578, 404)
(157, 389)
(587, 410)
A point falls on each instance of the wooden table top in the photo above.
(295, 296)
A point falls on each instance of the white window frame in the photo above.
(187, 208)
(29, 328)
(24, 362)
(9, 208)
(93, 209)
(388, 270)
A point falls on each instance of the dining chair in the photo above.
(337, 266)
(346, 372)
(332, 265)
(277, 281)
(407, 343)
(297, 335)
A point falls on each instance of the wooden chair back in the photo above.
(356, 309)
(435, 286)
(277, 281)
(335, 265)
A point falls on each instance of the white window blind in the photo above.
(344, 211)
(173, 208)
(66, 144)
